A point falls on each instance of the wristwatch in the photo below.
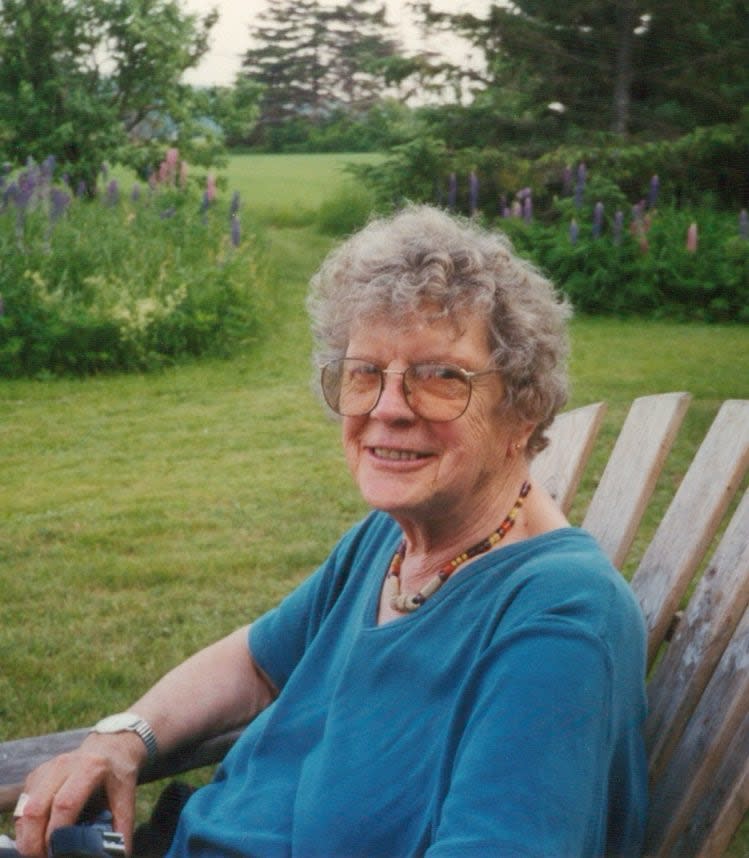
(129, 722)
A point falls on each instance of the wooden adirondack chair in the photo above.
(695, 602)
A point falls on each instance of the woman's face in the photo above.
(420, 471)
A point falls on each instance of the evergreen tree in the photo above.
(287, 61)
(315, 60)
(359, 46)
(618, 65)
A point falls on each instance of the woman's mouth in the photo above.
(393, 455)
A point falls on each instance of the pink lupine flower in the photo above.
(692, 238)
(528, 209)
(210, 188)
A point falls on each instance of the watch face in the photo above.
(116, 723)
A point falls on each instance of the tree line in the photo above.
(96, 80)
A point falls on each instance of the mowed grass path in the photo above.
(143, 516)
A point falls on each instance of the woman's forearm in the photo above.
(217, 689)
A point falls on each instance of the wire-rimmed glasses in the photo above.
(440, 392)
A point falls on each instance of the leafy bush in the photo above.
(122, 284)
(646, 267)
(346, 211)
(624, 259)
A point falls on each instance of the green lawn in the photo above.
(143, 516)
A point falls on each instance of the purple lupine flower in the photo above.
(48, 166)
(452, 191)
(473, 192)
(135, 193)
(744, 224)
(582, 173)
(59, 201)
(597, 219)
(81, 189)
(234, 205)
(567, 181)
(113, 193)
(9, 195)
(26, 185)
(655, 185)
(574, 231)
(618, 226)
(236, 232)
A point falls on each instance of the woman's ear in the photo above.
(519, 440)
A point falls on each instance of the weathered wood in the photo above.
(717, 605)
(20, 756)
(560, 466)
(194, 756)
(632, 470)
(690, 777)
(718, 815)
(679, 545)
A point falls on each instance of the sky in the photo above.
(230, 36)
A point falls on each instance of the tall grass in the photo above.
(143, 516)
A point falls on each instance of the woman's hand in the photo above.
(59, 789)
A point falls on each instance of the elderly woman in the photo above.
(463, 675)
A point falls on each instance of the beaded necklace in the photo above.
(407, 602)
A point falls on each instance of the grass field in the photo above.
(143, 516)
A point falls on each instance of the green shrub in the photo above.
(646, 269)
(122, 284)
(346, 211)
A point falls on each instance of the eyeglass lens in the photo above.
(438, 392)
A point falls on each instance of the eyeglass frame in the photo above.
(467, 374)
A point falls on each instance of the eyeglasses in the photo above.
(435, 391)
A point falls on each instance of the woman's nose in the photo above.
(392, 403)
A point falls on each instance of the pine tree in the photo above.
(315, 60)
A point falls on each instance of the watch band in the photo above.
(145, 731)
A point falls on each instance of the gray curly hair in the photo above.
(426, 261)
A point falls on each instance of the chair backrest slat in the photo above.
(560, 466)
(679, 545)
(720, 812)
(704, 750)
(632, 470)
(715, 608)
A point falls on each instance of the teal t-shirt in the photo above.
(502, 718)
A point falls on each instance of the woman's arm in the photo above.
(216, 689)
